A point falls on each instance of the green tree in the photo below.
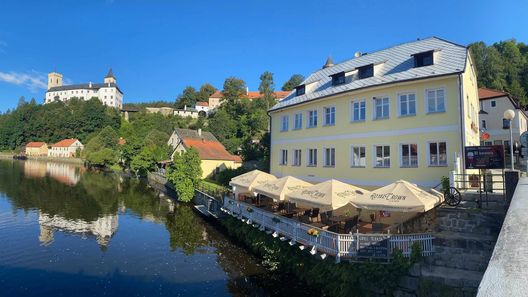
(185, 174)
(267, 88)
(234, 88)
(187, 98)
(101, 148)
(146, 160)
(294, 81)
(206, 90)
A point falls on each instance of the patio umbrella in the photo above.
(400, 196)
(277, 189)
(244, 183)
(329, 195)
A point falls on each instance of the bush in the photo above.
(225, 176)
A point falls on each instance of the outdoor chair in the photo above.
(324, 218)
(304, 219)
(281, 207)
(314, 214)
(350, 224)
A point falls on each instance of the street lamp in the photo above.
(509, 115)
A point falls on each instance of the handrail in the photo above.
(355, 245)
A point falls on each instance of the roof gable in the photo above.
(65, 142)
(393, 65)
(36, 144)
(208, 147)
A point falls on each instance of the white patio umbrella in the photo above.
(244, 183)
(329, 195)
(277, 189)
(400, 196)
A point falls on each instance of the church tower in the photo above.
(54, 80)
(110, 78)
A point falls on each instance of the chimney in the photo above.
(199, 131)
(185, 107)
(90, 85)
(247, 91)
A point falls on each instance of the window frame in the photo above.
(421, 56)
(282, 128)
(300, 90)
(406, 94)
(310, 123)
(297, 159)
(362, 69)
(375, 155)
(426, 101)
(410, 165)
(310, 155)
(375, 109)
(299, 116)
(353, 108)
(325, 157)
(283, 161)
(338, 78)
(352, 163)
(428, 152)
(324, 115)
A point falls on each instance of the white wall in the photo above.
(109, 96)
(494, 119)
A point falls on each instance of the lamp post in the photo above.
(509, 115)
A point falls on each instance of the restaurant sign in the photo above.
(484, 157)
(373, 246)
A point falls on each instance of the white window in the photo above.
(312, 157)
(382, 153)
(296, 158)
(285, 120)
(437, 154)
(358, 157)
(407, 104)
(435, 99)
(284, 157)
(329, 157)
(329, 113)
(312, 118)
(297, 124)
(409, 155)
(381, 108)
(358, 110)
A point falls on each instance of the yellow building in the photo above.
(38, 149)
(213, 154)
(405, 112)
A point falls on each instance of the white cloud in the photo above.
(33, 80)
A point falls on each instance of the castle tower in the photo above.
(54, 80)
(110, 78)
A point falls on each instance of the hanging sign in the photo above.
(484, 157)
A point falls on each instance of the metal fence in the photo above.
(350, 246)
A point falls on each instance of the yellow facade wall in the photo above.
(37, 151)
(209, 167)
(396, 130)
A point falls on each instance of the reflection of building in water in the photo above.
(103, 228)
(64, 173)
(34, 168)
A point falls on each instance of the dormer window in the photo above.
(366, 71)
(423, 59)
(300, 90)
(338, 78)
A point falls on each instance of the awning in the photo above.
(328, 195)
(277, 189)
(400, 196)
(244, 183)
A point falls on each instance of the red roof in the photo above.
(200, 103)
(208, 149)
(253, 95)
(121, 141)
(489, 93)
(35, 144)
(65, 142)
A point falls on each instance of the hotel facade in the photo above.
(405, 112)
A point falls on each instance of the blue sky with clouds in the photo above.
(156, 47)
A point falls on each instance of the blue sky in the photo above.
(156, 48)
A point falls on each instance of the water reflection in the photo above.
(59, 212)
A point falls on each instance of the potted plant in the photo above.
(313, 232)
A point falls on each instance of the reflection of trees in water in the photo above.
(185, 230)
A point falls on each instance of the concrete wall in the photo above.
(507, 272)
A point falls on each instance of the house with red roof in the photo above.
(213, 154)
(217, 97)
(493, 104)
(66, 148)
(37, 149)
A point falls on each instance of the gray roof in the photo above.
(193, 134)
(84, 87)
(396, 65)
(110, 74)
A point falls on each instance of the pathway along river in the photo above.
(65, 231)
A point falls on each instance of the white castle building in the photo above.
(108, 91)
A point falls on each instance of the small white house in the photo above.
(66, 148)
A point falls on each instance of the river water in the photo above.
(66, 231)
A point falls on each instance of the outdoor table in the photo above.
(340, 219)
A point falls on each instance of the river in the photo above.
(67, 231)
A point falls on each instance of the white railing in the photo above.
(355, 245)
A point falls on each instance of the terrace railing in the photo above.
(349, 246)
